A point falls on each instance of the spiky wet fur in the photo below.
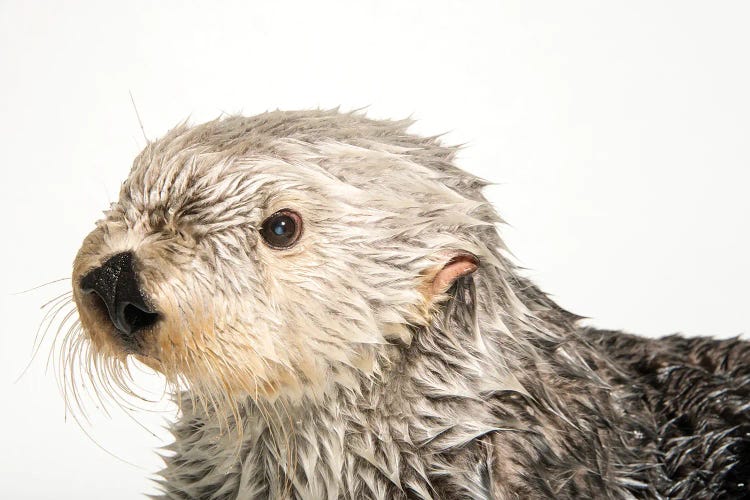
(331, 371)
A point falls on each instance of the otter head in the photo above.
(279, 255)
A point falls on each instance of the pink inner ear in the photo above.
(460, 265)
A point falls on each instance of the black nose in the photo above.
(116, 284)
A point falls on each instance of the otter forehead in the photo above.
(229, 166)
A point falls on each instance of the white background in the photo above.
(617, 131)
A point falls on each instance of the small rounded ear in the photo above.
(457, 264)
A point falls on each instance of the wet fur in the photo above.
(332, 372)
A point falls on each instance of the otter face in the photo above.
(246, 263)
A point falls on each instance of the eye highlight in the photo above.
(282, 229)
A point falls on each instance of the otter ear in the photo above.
(456, 264)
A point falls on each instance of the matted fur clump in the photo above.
(331, 300)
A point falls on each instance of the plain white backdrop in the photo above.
(617, 133)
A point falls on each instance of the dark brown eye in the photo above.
(282, 229)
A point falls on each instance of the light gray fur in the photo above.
(487, 391)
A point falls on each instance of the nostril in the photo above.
(97, 302)
(136, 318)
(87, 283)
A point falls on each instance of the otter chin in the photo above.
(330, 298)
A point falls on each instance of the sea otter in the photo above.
(331, 300)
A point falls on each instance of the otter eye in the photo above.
(282, 229)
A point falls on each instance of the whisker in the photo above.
(50, 319)
(105, 450)
(137, 115)
(65, 319)
(64, 294)
(77, 358)
(39, 286)
(44, 326)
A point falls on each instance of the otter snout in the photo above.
(115, 284)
